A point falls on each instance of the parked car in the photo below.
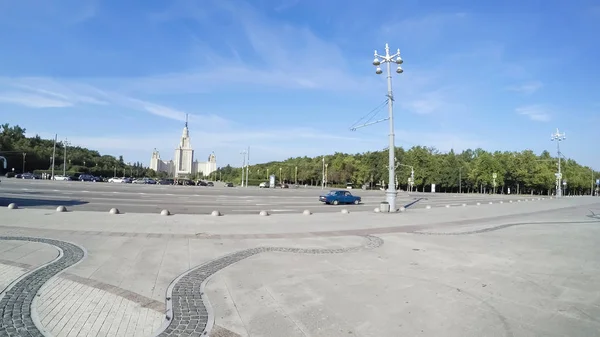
(86, 177)
(336, 197)
(201, 183)
(166, 182)
(118, 180)
(210, 184)
(263, 185)
(228, 184)
(62, 178)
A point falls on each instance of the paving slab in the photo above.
(520, 269)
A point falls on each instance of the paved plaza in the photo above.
(132, 198)
(526, 268)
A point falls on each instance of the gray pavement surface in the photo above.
(203, 200)
(527, 268)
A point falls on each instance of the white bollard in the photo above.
(307, 212)
(428, 207)
(114, 211)
(402, 209)
(165, 212)
(61, 209)
(478, 203)
(216, 213)
(12, 205)
(345, 211)
(447, 206)
(464, 205)
(263, 213)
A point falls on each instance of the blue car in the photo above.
(337, 197)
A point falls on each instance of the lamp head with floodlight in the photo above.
(378, 71)
(399, 70)
(376, 62)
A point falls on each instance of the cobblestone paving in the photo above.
(189, 315)
(15, 305)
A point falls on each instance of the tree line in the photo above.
(471, 171)
(34, 154)
(468, 171)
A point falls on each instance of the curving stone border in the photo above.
(16, 316)
(499, 227)
(189, 312)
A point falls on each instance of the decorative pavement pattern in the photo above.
(188, 310)
(16, 301)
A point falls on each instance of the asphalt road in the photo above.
(203, 200)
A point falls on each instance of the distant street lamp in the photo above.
(296, 176)
(323, 175)
(326, 176)
(65, 159)
(460, 179)
(24, 154)
(243, 153)
(280, 180)
(558, 137)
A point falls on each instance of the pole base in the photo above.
(390, 197)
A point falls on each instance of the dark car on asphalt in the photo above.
(166, 182)
(336, 197)
(86, 177)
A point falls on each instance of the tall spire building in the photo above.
(183, 164)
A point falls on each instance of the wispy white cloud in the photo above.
(536, 112)
(427, 28)
(286, 4)
(527, 88)
(277, 54)
(49, 93)
(33, 100)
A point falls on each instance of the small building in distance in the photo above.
(183, 164)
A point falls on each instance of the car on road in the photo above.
(201, 183)
(62, 178)
(228, 184)
(336, 197)
(147, 181)
(86, 177)
(166, 182)
(263, 185)
(123, 180)
(210, 184)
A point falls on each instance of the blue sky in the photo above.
(290, 77)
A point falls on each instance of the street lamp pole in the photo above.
(247, 165)
(243, 153)
(326, 178)
(558, 137)
(296, 176)
(323, 175)
(24, 154)
(388, 59)
(460, 180)
(65, 159)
